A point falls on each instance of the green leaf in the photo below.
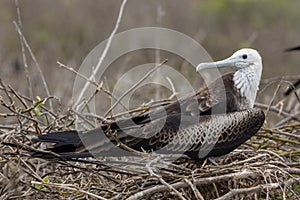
(143, 150)
(40, 186)
(46, 179)
(37, 111)
(38, 98)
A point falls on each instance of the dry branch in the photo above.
(134, 86)
(107, 46)
(35, 61)
(23, 51)
(236, 192)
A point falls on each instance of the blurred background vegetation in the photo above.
(68, 30)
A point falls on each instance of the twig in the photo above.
(13, 110)
(281, 133)
(71, 69)
(79, 102)
(278, 78)
(273, 97)
(298, 98)
(81, 116)
(31, 172)
(93, 115)
(124, 146)
(91, 81)
(134, 86)
(52, 114)
(289, 126)
(272, 153)
(249, 160)
(200, 181)
(23, 51)
(285, 120)
(144, 108)
(174, 93)
(293, 170)
(6, 93)
(107, 46)
(235, 192)
(35, 61)
(68, 187)
(136, 110)
(7, 126)
(31, 149)
(98, 89)
(11, 106)
(280, 139)
(174, 166)
(18, 97)
(276, 110)
(148, 166)
(195, 190)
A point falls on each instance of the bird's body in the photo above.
(212, 122)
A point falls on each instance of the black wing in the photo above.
(213, 136)
(156, 130)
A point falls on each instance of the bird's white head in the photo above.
(246, 79)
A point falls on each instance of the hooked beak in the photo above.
(228, 62)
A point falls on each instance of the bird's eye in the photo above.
(244, 56)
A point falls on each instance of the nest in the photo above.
(267, 166)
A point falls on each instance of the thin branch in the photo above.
(273, 97)
(98, 86)
(107, 46)
(124, 146)
(35, 61)
(235, 192)
(281, 133)
(286, 119)
(28, 99)
(195, 190)
(274, 109)
(134, 86)
(152, 173)
(23, 51)
(198, 182)
(174, 93)
(30, 171)
(71, 69)
(79, 102)
(278, 78)
(68, 187)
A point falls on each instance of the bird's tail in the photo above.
(66, 143)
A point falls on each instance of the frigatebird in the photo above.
(209, 123)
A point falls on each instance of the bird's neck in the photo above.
(247, 80)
